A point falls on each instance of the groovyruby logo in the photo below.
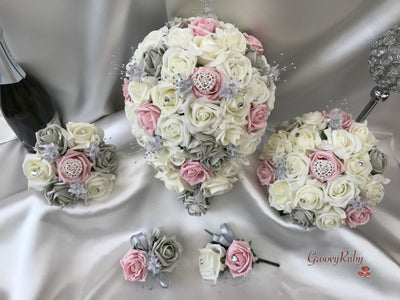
(365, 272)
(315, 257)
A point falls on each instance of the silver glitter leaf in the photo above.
(282, 168)
(183, 86)
(136, 71)
(230, 89)
(153, 264)
(50, 152)
(357, 202)
(274, 73)
(155, 143)
(77, 189)
(93, 151)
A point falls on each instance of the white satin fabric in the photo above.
(73, 47)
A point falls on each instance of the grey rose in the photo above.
(215, 158)
(177, 22)
(52, 142)
(153, 61)
(195, 203)
(168, 251)
(203, 148)
(57, 194)
(258, 61)
(289, 125)
(378, 161)
(106, 161)
(303, 218)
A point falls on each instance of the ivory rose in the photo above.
(210, 261)
(84, 134)
(39, 172)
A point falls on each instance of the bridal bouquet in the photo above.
(323, 169)
(72, 164)
(198, 94)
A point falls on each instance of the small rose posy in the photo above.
(151, 254)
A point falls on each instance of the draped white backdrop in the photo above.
(77, 48)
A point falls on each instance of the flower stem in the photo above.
(261, 260)
(209, 232)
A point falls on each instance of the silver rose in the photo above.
(52, 142)
(203, 148)
(153, 61)
(378, 161)
(195, 203)
(106, 161)
(289, 125)
(168, 251)
(177, 22)
(258, 61)
(303, 218)
(57, 194)
(195, 148)
(215, 158)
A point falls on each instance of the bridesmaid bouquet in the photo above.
(323, 169)
(72, 164)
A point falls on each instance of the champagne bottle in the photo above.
(25, 104)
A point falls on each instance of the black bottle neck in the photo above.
(10, 71)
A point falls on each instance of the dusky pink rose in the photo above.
(239, 258)
(254, 43)
(347, 119)
(257, 118)
(207, 82)
(148, 115)
(266, 173)
(322, 160)
(203, 26)
(74, 166)
(194, 172)
(134, 265)
(125, 90)
(358, 216)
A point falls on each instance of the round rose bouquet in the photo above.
(198, 94)
(71, 164)
(323, 169)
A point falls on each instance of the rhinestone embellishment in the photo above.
(361, 163)
(201, 261)
(323, 169)
(34, 172)
(234, 259)
(205, 81)
(72, 168)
